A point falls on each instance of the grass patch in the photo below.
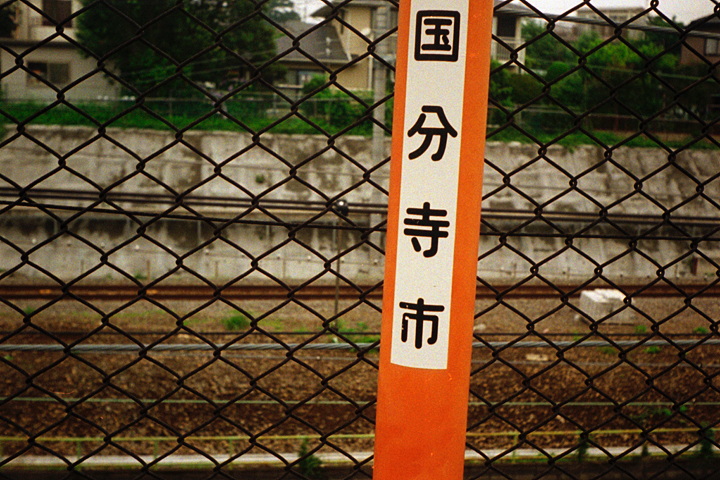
(640, 329)
(653, 350)
(574, 140)
(249, 115)
(192, 115)
(701, 330)
(236, 321)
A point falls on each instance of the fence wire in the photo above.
(192, 222)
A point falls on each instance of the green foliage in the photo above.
(556, 70)
(180, 115)
(707, 449)
(701, 330)
(363, 327)
(338, 327)
(666, 40)
(653, 350)
(29, 310)
(645, 452)
(550, 136)
(309, 465)
(622, 79)
(545, 48)
(640, 329)
(181, 37)
(236, 321)
(500, 89)
(335, 106)
(608, 350)
(611, 73)
(524, 88)
(582, 449)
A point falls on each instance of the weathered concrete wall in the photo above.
(235, 166)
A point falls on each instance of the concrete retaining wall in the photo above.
(235, 166)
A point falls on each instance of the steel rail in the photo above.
(197, 201)
(188, 347)
(324, 292)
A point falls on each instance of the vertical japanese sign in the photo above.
(439, 124)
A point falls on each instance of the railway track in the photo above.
(315, 292)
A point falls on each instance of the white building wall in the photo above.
(59, 56)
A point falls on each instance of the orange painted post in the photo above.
(443, 64)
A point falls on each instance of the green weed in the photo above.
(640, 329)
(653, 350)
(361, 328)
(235, 322)
(706, 444)
(582, 449)
(608, 350)
(701, 330)
(339, 325)
(645, 452)
(309, 465)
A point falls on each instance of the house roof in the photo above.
(708, 23)
(512, 8)
(322, 43)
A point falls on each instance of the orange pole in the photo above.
(422, 412)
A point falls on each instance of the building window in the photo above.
(56, 11)
(56, 73)
(505, 27)
(304, 76)
(712, 46)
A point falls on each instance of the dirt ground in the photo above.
(255, 401)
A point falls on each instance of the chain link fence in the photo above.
(192, 219)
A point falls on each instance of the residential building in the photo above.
(348, 30)
(507, 27)
(318, 45)
(702, 44)
(617, 15)
(27, 59)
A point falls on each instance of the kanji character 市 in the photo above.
(419, 316)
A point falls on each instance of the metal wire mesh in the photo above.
(192, 222)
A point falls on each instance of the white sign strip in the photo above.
(429, 183)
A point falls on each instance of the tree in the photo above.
(164, 47)
(545, 48)
(281, 11)
(7, 20)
